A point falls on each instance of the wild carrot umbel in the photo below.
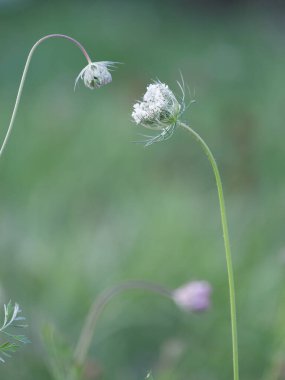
(95, 74)
(192, 297)
(161, 111)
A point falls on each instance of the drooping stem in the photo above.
(226, 244)
(25, 74)
(96, 309)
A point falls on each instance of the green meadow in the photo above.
(83, 208)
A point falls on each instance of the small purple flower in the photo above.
(194, 296)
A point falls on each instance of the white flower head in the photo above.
(159, 110)
(159, 106)
(96, 74)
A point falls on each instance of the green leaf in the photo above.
(11, 320)
(60, 355)
(8, 346)
(20, 338)
(149, 376)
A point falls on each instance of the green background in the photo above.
(82, 208)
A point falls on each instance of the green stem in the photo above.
(226, 244)
(96, 309)
(24, 77)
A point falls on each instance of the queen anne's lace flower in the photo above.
(158, 110)
(159, 105)
(96, 74)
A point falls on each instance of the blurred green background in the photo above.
(82, 208)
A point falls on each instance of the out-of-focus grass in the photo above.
(82, 208)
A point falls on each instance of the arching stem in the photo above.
(226, 244)
(96, 309)
(25, 74)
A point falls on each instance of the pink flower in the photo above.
(194, 296)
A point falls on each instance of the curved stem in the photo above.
(226, 244)
(25, 74)
(87, 332)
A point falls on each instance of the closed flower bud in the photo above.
(194, 296)
(96, 74)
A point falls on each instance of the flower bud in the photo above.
(194, 296)
(96, 74)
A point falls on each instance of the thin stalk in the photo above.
(25, 74)
(96, 309)
(226, 244)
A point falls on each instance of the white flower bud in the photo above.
(96, 74)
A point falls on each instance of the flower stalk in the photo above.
(97, 308)
(160, 110)
(191, 297)
(98, 71)
(226, 245)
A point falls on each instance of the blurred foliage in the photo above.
(83, 208)
(10, 342)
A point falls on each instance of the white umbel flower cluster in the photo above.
(159, 106)
(96, 74)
